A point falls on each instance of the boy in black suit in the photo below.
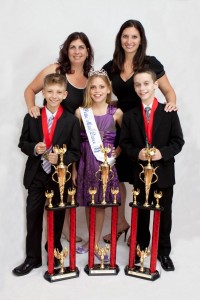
(162, 130)
(53, 127)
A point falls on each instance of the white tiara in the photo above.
(97, 72)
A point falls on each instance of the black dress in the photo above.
(128, 99)
(74, 98)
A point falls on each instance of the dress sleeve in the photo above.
(108, 68)
(155, 65)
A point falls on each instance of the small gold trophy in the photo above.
(157, 196)
(92, 191)
(49, 197)
(135, 194)
(105, 170)
(148, 171)
(142, 254)
(62, 171)
(72, 192)
(115, 191)
(102, 251)
(61, 256)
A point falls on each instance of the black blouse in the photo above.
(74, 98)
(124, 90)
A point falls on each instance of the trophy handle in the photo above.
(56, 172)
(97, 173)
(112, 174)
(68, 172)
(155, 175)
(140, 174)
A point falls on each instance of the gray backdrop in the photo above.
(31, 33)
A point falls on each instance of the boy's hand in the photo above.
(53, 158)
(157, 155)
(40, 148)
(142, 154)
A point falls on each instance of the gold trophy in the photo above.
(92, 191)
(61, 256)
(115, 191)
(135, 194)
(105, 170)
(72, 192)
(62, 172)
(157, 196)
(142, 254)
(49, 197)
(102, 251)
(148, 171)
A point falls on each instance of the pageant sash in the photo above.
(93, 134)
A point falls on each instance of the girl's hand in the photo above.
(116, 152)
(74, 176)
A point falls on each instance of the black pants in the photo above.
(34, 214)
(143, 234)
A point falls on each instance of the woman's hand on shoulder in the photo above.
(170, 106)
(34, 111)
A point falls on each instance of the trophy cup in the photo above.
(148, 172)
(105, 170)
(92, 191)
(61, 255)
(49, 197)
(135, 194)
(115, 191)
(62, 172)
(157, 196)
(72, 192)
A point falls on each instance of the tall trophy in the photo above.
(63, 175)
(104, 174)
(146, 176)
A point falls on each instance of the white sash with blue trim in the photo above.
(93, 135)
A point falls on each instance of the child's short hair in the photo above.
(55, 78)
(146, 70)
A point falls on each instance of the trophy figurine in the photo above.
(102, 251)
(135, 194)
(157, 196)
(105, 170)
(49, 196)
(92, 191)
(115, 191)
(142, 254)
(148, 171)
(61, 256)
(62, 171)
(72, 192)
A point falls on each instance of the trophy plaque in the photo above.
(131, 269)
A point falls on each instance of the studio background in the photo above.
(31, 33)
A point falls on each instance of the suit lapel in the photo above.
(139, 120)
(39, 126)
(59, 128)
(158, 115)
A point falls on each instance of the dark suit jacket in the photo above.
(167, 138)
(67, 132)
